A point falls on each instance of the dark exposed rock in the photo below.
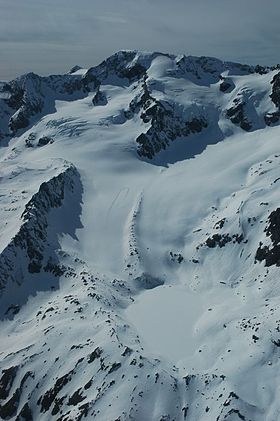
(271, 254)
(99, 98)
(234, 411)
(88, 384)
(276, 342)
(142, 101)
(6, 381)
(31, 238)
(13, 309)
(273, 228)
(232, 407)
(27, 99)
(44, 140)
(19, 121)
(275, 95)
(76, 398)
(30, 140)
(122, 64)
(16, 98)
(74, 69)
(28, 94)
(261, 69)
(166, 124)
(176, 257)
(128, 351)
(189, 379)
(261, 252)
(165, 127)
(185, 411)
(54, 268)
(33, 266)
(222, 239)
(89, 82)
(237, 114)
(208, 69)
(220, 224)
(84, 410)
(9, 408)
(25, 414)
(134, 72)
(114, 367)
(274, 117)
(94, 355)
(231, 396)
(58, 402)
(226, 85)
(146, 281)
(47, 399)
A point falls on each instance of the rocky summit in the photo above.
(140, 242)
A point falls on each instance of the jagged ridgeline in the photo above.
(166, 117)
(147, 172)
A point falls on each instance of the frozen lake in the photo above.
(165, 319)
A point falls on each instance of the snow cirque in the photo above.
(139, 244)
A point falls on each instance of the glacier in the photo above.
(139, 244)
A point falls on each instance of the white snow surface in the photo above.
(165, 317)
(145, 322)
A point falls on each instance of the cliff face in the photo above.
(33, 248)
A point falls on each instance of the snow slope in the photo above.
(147, 174)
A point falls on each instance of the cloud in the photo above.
(51, 36)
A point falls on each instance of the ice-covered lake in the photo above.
(165, 318)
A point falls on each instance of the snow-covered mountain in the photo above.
(140, 242)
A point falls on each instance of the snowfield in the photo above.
(140, 242)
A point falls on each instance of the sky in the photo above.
(51, 36)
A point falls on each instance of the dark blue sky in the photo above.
(50, 36)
